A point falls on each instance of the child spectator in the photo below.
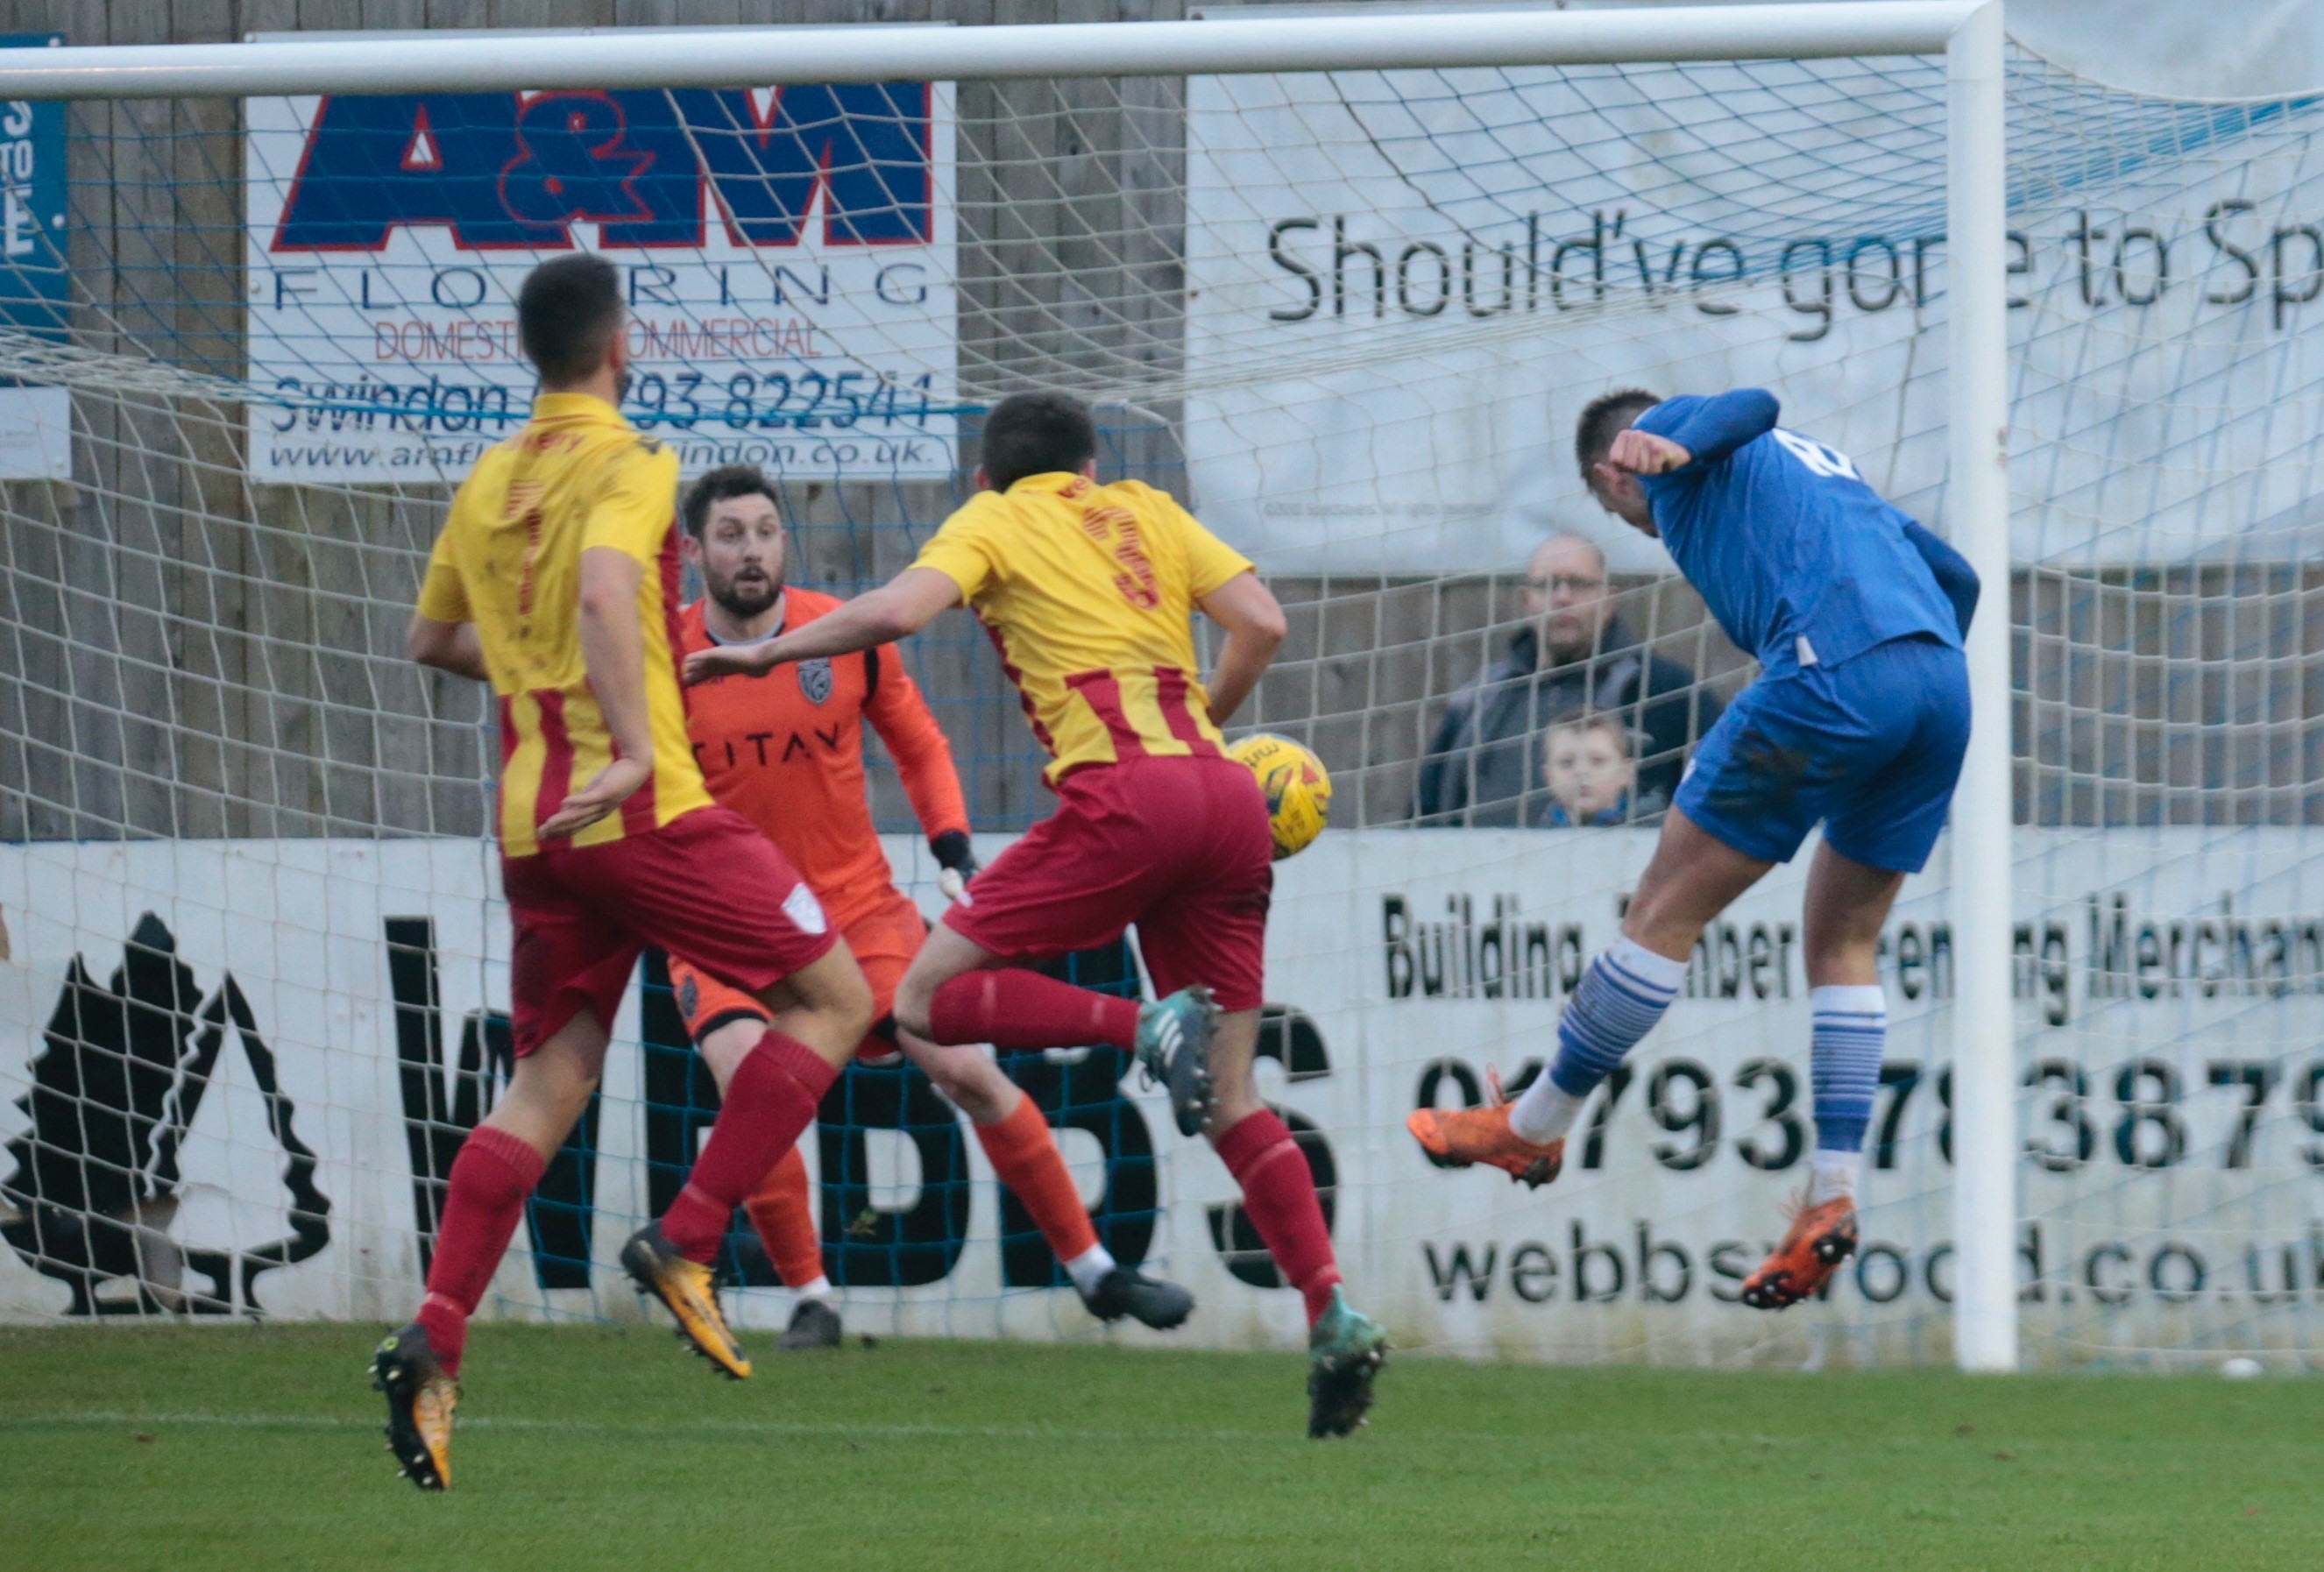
(1589, 772)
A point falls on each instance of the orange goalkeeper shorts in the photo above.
(883, 940)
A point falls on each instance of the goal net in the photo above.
(258, 968)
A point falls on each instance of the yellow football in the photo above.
(1298, 789)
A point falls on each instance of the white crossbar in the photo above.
(455, 63)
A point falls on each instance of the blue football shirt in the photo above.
(1798, 559)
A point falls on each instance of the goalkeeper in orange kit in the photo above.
(784, 749)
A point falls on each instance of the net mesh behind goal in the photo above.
(259, 964)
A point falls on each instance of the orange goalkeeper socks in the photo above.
(1278, 1195)
(781, 1210)
(1024, 1155)
(1024, 1009)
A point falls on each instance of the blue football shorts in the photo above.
(1869, 746)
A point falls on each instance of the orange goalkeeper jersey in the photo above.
(578, 477)
(1089, 593)
(784, 749)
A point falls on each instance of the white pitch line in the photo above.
(106, 1419)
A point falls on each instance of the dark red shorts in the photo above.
(883, 940)
(705, 886)
(1178, 846)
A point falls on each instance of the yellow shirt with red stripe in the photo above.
(1088, 592)
(578, 477)
(784, 749)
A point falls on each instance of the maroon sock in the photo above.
(769, 1101)
(1279, 1192)
(490, 1179)
(1024, 1009)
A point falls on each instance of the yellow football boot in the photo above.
(421, 1398)
(687, 1289)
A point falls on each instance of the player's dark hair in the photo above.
(1036, 434)
(724, 484)
(566, 314)
(1603, 419)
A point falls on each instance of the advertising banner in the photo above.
(232, 1075)
(788, 255)
(1402, 288)
(35, 280)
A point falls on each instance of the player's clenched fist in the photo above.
(1642, 453)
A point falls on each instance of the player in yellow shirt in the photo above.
(556, 580)
(1088, 592)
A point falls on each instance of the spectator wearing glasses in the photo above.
(1573, 652)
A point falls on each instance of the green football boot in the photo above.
(1173, 1049)
(1345, 1349)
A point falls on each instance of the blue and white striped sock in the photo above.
(1849, 1033)
(1622, 994)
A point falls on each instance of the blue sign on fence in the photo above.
(786, 253)
(36, 283)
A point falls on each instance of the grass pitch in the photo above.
(248, 1448)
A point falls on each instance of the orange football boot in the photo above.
(690, 1292)
(420, 1397)
(1460, 1137)
(1820, 1238)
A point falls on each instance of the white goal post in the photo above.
(1968, 32)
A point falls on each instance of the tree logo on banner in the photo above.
(96, 1185)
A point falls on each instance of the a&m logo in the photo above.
(514, 171)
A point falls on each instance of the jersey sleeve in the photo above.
(637, 502)
(1712, 428)
(965, 549)
(1953, 573)
(443, 597)
(899, 713)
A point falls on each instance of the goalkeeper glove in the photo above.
(957, 860)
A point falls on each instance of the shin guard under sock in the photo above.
(490, 1179)
(1622, 994)
(1848, 1034)
(1278, 1194)
(1025, 1156)
(768, 1102)
(1024, 1009)
(782, 1209)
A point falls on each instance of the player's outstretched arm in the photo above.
(614, 650)
(897, 609)
(452, 647)
(1253, 619)
(898, 711)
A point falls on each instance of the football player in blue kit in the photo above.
(1857, 721)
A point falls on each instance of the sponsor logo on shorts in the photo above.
(689, 998)
(803, 909)
(814, 679)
